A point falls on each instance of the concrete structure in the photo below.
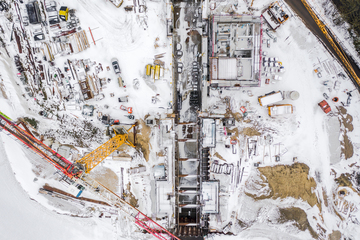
(208, 132)
(210, 197)
(235, 51)
(275, 15)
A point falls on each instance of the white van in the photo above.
(280, 109)
(271, 98)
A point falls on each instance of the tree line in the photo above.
(350, 12)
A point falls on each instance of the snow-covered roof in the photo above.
(163, 205)
(210, 196)
(271, 98)
(208, 133)
(280, 109)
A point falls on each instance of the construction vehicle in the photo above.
(271, 98)
(92, 159)
(280, 109)
(64, 13)
(325, 106)
(76, 173)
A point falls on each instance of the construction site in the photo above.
(177, 120)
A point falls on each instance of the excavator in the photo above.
(77, 173)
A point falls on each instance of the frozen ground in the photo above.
(308, 134)
(25, 218)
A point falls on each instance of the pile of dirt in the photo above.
(130, 197)
(106, 176)
(237, 115)
(288, 181)
(219, 156)
(299, 216)
(234, 133)
(347, 147)
(142, 140)
(346, 120)
(344, 180)
(2, 90)
(335, 235)
(250, 131)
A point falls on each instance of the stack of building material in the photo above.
(117, 3)
(79, 41)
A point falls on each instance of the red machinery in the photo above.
(62, 164)
(325, 106)
(75, 172)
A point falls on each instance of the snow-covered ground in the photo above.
(309, 135)
(23, 217)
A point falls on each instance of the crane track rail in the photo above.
(337, 48)
(76, 174)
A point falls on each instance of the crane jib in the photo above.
(76, 174)
(40, 148)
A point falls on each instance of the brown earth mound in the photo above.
(299, 216)
(106, 176)
(142, 140)
(288, 181)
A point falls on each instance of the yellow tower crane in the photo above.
(338, 50)
(92, 159)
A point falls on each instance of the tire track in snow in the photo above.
(126, 34)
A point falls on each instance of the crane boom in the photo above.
(92, 159)
(73, 172)
(337, 49)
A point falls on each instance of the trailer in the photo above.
(271, 98)
(280, 109)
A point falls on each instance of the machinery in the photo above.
(76, 173)
(64, 13)
(92, 159)
(326, 31)
(325, 106)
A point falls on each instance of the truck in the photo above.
(33, 12)
(271, 98)
(325, 106)
(280, 109)
(64, 13)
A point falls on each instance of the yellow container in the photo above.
(157, 72)
(148, 70)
